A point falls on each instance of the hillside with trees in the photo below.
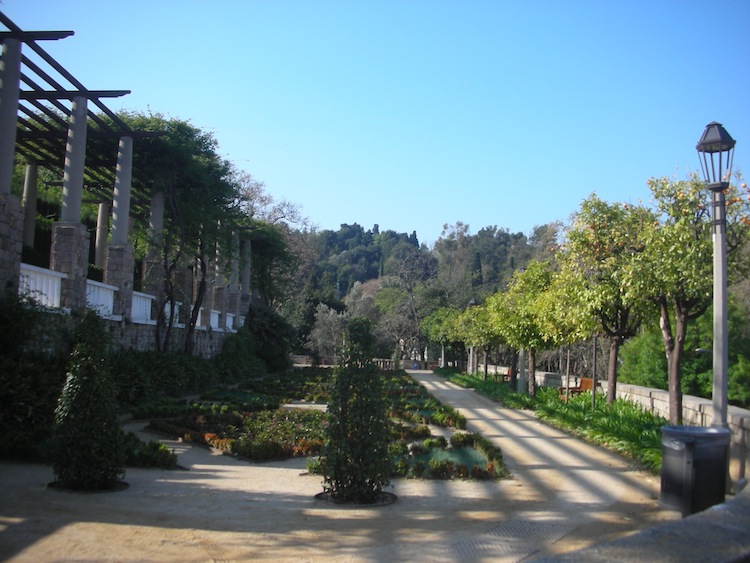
(625, 273)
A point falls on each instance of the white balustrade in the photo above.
(41, 284)
(175, 314)
(100, 297)
(142, 307)
(215, 319)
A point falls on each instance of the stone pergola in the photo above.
(49, 119)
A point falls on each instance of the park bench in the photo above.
(585, 384)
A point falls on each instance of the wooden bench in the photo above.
(585, 384)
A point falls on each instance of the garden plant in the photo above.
(355, 461)
(88, 448)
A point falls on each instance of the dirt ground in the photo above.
(563, 495)
(225, 510)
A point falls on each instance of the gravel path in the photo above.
(563, 495)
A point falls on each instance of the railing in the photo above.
(142, 307)
(215, 320)
(100, 297)
(175, 314)
(200, 323)
(45, 286)
(42, 285)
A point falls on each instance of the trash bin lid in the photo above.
(698, 433)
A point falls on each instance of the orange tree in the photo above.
(515, 313)
(601, 245)
(474, 327)
(675, 270)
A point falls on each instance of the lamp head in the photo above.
(716, 151)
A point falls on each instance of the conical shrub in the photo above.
(355, 459)
(88, 441)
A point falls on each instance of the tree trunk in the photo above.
(514, 371)
(486, 349)
(675, 370)
(190, 328)
(532, 372)
(614, 349)
(673, 347)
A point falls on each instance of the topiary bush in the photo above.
(87, 449)
(355, 460)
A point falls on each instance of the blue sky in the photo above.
(413, 114)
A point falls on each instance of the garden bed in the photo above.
(233, 422)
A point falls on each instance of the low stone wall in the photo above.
(141, 337)
(696, 411)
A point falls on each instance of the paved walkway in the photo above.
(563, 495)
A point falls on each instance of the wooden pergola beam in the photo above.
(70, 94)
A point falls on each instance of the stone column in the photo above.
(232, 295)
(75, 160)
(10, 79)
(120, 259)
(246, 290)
(102, 230)
(11, 241)
(29, 203)
(121, 200)
(219, 283)
(70, 251)
(70, 240)
(11, 214)
(153, 275)
(119, 272)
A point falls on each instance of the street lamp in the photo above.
(716, 151)
(472, 352)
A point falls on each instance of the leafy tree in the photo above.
(599, 252)
(644, 362)
(272, 261)
(201, 211)
(271, 336)
(355, 458)
(516, 312)
(327, 336)
(416, 268)
(675, 269)
(476, 329)
(454, 258)
(544, 241)
(439, 327)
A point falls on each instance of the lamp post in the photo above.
(716, 151)
(472, 351)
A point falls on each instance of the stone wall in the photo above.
(11, 241)
(141, 337)
(696, 411)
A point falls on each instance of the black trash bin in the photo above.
(694, 466)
